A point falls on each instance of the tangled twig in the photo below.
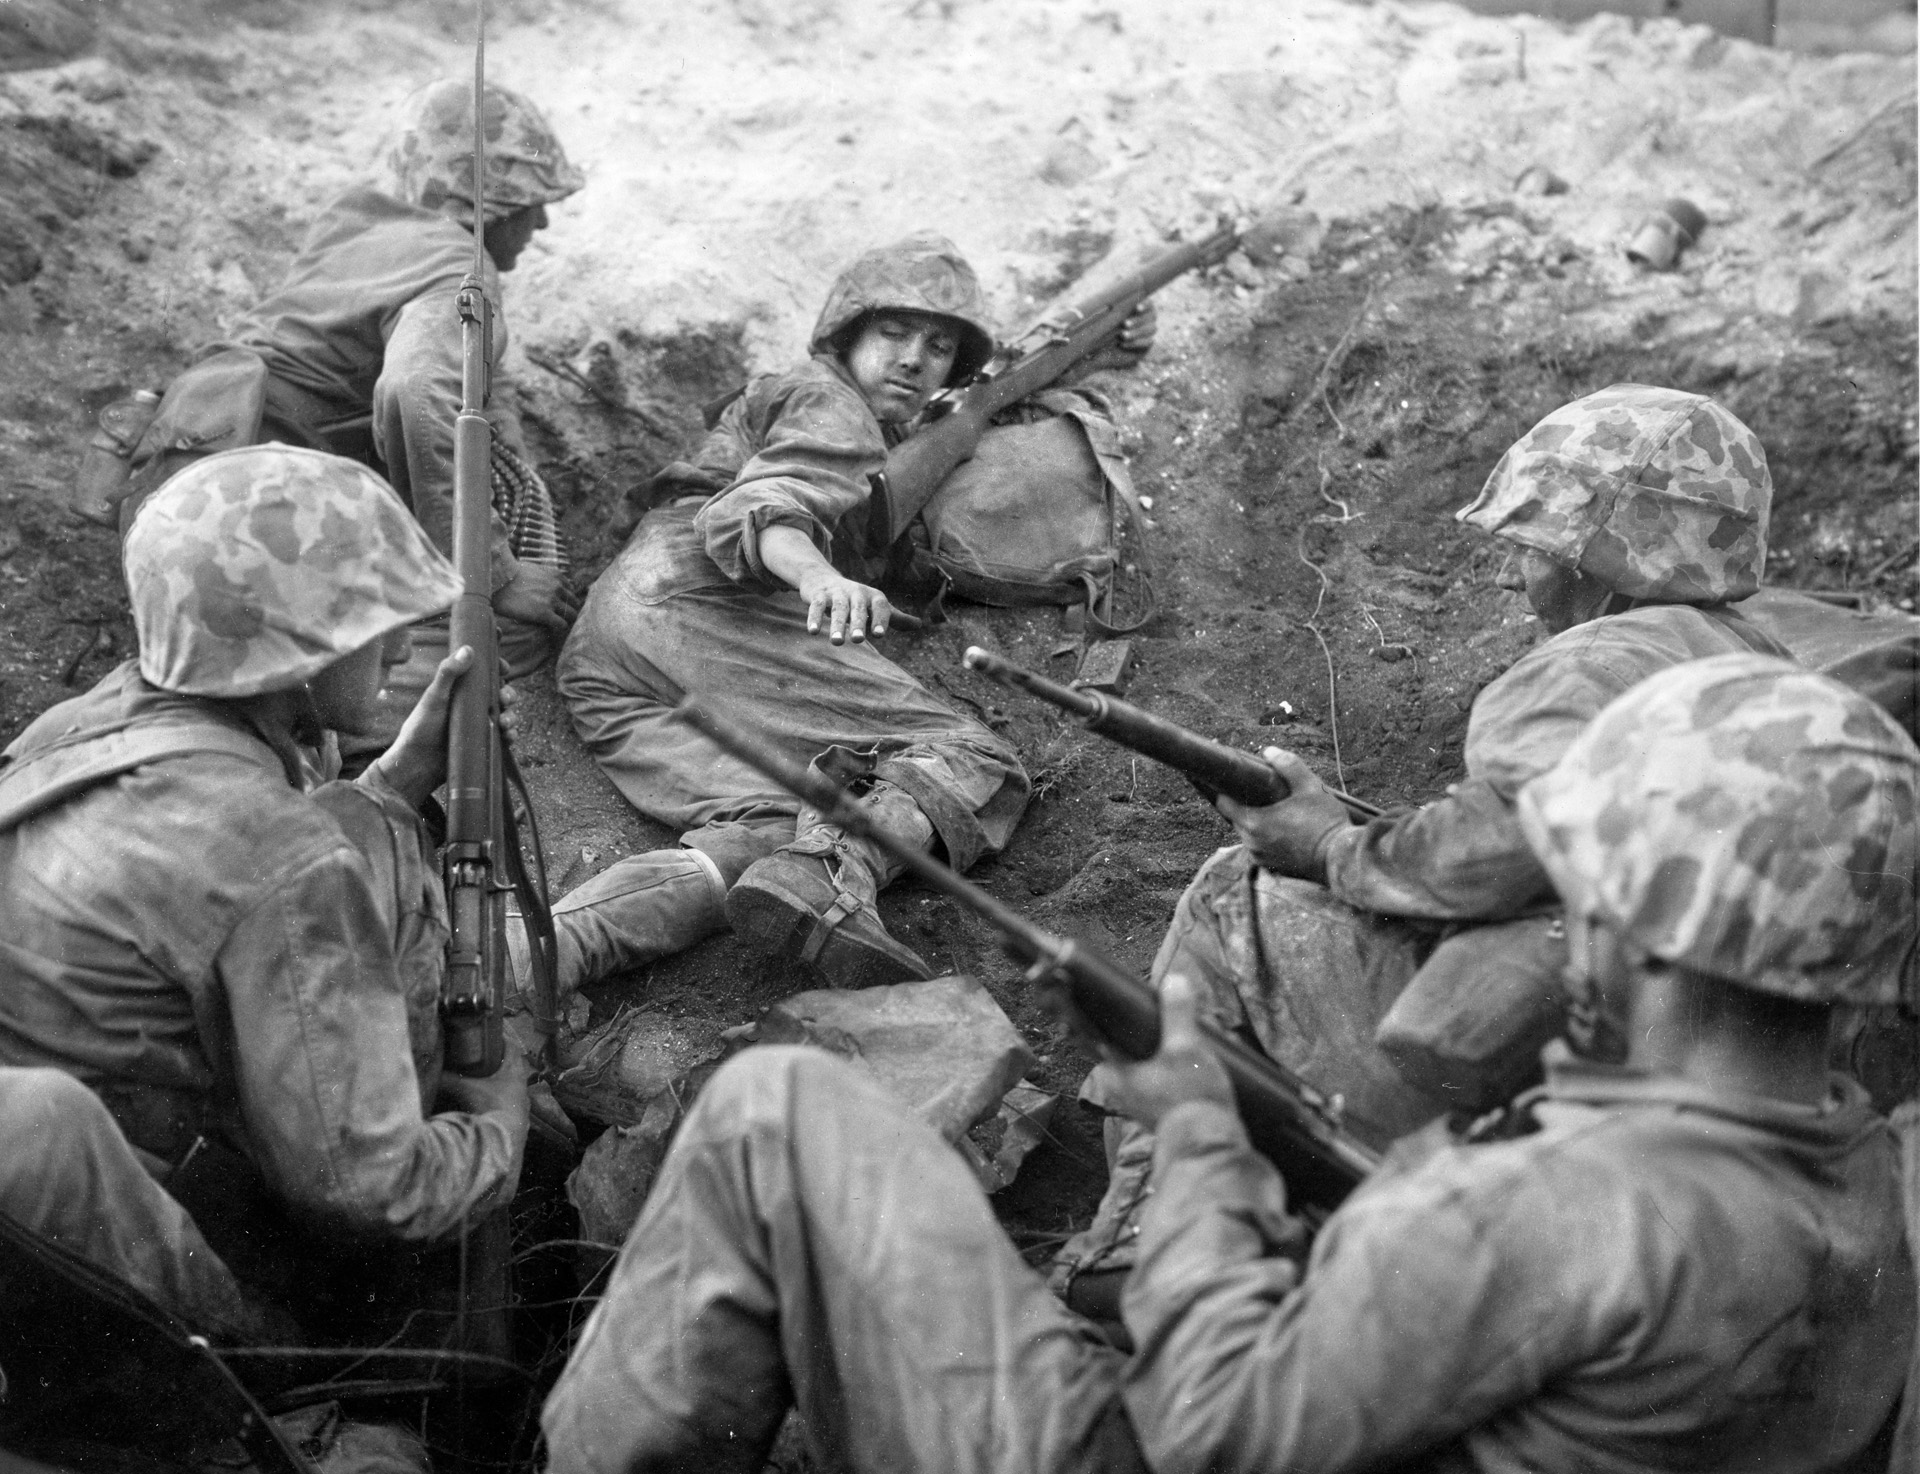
(1312, 624)
(647, 416)
(1336, 358)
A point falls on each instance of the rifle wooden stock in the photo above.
(916, 467)
(1212, 767)
(1286, 1120)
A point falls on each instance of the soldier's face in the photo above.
(900, 361)
(347, 693)
(1561, 597)
(506, 238)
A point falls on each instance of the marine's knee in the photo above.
(51, 1118)
(46, 1101)
(773, 1085)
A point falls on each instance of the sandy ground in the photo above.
(1305, 427)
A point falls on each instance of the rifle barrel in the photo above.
(1138, 284)
(1214, 766)
(1285, 1119)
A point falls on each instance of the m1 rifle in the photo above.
(482, 860)
(1287, 1121)
(1060, 340)
(1212, 767)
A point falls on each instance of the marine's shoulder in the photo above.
(813, 380)
(364, 219)
(213, 789)
(1633, 643)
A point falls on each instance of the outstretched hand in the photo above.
(1288, 837)
(416, 764)
(1183, 1069)
(849, 610)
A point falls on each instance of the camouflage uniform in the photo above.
(245, 972)
(1665, 491)
(1657, 1274)
(689, 604)
(361, 340)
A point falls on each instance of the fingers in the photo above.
(1291, 767)
(508, 721)
(1137, 332)
(849, 611)
(1179, 1014)
(456, 664)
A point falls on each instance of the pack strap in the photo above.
(51, 776)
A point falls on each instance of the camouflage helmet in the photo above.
(1659, 495)
(255, 569)
(922, 273)
(1747, 819)
(430, 156)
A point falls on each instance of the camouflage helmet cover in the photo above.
(924, 272)
(1659, 494)
(255, 569)
(1745, 818)
(430, 156)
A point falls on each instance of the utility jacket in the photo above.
(795, 449)
(366, 319)
(214, 950)
(1659, 1277)
(1463, 856)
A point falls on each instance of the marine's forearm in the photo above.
(1461, 857)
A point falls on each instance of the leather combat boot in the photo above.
(813, 898)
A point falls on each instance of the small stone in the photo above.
(1242, 270)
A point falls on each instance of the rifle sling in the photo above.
(51, 776)
(536, 913)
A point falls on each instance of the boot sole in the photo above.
(772, 919)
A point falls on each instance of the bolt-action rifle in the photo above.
(482, 860)
(1212, 767)
(1060, 340)
(1287, 1121)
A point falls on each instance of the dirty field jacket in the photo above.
(794, 449)
(1660, 1277)
(200, 939)
(365, 319)
(1463, 856)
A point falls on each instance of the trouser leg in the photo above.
(810, 1242)
(636, 911)
(69, 1175)
(750, 656)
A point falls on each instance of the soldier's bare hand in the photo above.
(1139, 330)
(1288, 838)
(846, 609)
(1183, 1069)
(538, 594)
(416, 764)
(503, 1093)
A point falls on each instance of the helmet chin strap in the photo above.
(285, 720)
